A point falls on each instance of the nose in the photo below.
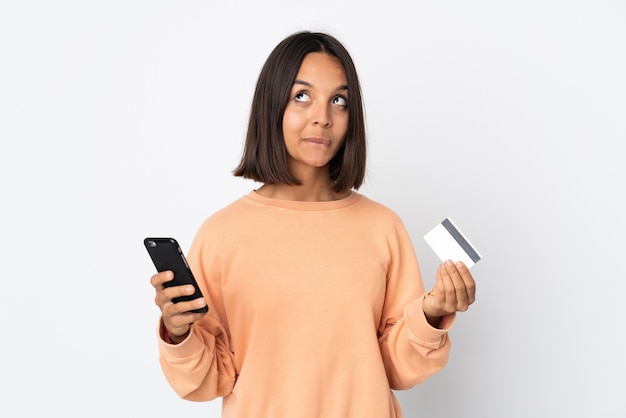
(321, 115)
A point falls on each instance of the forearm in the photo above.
(198, 366)
(413, 349)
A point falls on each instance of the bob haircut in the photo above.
(264, 156)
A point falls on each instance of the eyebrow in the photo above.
(307, 84)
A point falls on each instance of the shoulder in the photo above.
(376, 208)
(379, 218)
(384, 222)
(224, 219)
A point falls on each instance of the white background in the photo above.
(124, 119)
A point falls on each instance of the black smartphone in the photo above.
(167, 255)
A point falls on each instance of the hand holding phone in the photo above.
(167, 255)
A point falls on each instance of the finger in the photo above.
(437, 293)
(462, 297)
(181, 320)
(450, 290)
(165, 295)
(185, 307)
(468, 280)
(177, 325)
(177, 316)
(158, 279)
(439, 287)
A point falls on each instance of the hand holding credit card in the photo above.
(449, 243)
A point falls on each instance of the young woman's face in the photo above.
(316, 118)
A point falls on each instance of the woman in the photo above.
(316, 303)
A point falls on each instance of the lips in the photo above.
(319, 141)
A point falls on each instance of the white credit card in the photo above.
(449, 243)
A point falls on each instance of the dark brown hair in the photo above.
(264, 157)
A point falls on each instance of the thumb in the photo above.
(438, 288)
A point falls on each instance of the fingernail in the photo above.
(449, 262)
(189, 290)
(200, 302)
(460, 264)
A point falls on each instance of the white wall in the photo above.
(123, 119)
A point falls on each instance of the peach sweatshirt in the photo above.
(314, 312)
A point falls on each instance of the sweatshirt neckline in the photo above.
(297, 205)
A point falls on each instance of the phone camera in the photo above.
(151, 244)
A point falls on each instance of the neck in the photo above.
(316, 189)
(301, 193)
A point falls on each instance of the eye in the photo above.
(301, 97)
(340, 101)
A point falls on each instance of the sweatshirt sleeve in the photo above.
(201, 367)
(412, 349)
